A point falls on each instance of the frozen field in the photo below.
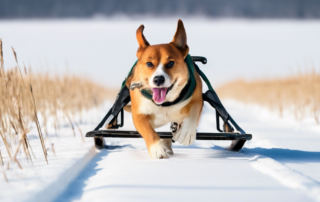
(281, 163)
(101, 49)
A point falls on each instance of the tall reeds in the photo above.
(299, 94)
(24, 96)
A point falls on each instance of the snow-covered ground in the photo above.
(100, 48)
(280, 163)
(67, 156)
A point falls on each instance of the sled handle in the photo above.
(201, 59)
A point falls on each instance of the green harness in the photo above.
(186, 92)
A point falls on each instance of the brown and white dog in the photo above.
(162, 69)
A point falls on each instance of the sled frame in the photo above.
(238, 138)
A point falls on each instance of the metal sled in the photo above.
(238, 138)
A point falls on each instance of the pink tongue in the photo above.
(159, 94)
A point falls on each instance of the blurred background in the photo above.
(241, 39)
(299, 9)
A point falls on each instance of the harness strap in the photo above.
(210, 96)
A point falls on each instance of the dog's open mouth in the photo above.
(159, 94)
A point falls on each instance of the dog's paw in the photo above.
(159, 150)
(186, 134)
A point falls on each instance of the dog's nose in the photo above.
(158, 80)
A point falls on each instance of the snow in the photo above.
(198, 173)
(280, 163)
(39, 181)
(288, 177)
(42, 181)
(206, 171)
(99, 48)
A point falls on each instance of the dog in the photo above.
(162, 70)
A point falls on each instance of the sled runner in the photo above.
(238, 137)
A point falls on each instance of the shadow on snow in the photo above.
(75, 189)
(285, 155)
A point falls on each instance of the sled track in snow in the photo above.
(287, 176)
(128, 159)
(201, 171)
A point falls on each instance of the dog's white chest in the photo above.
(163, 115)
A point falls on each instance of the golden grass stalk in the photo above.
(299, 94)
(1, 158)
(20, 120)
(1, 54)
(52, 147)
(14, 54)
(38, 126)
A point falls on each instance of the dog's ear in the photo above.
(180, 39)
(142, 41)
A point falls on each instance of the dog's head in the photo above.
(161, 68)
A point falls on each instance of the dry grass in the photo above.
(24, 96)
(299, 94)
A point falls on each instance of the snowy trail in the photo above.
(197, 173)
(281, 163)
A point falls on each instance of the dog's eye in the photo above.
(170, 65)
(149, 64)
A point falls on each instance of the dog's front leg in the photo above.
(156, 146)
(186, 131)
